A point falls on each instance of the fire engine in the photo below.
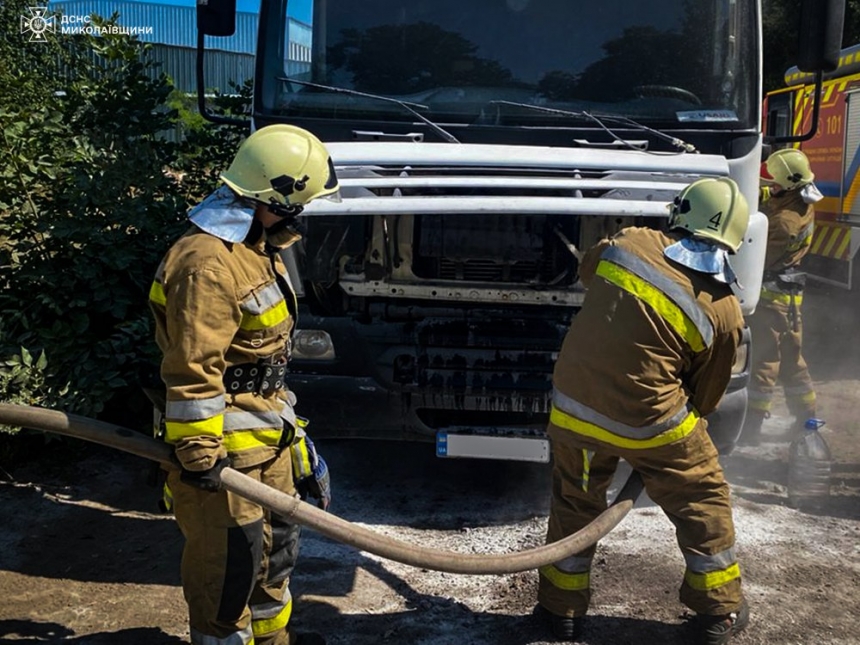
(834, 154)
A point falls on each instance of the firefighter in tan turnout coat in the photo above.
(648, 356)
(224, 311)
(777, 326)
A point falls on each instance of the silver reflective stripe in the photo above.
(238, 638)
(573, 564)
(797, 389)
(262, 300)
(270, 609)
(194, 410)
(584, 413)
(673, 291)
(242, 420)
(806, 232)
(706, 563)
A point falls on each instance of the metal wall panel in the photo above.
(220, 68)
(174, 33)
(171, 25)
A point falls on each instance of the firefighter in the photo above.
(776, 325)
(647, 357)
(224, 311)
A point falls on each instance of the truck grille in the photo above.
(498, 371)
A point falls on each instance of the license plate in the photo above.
(476, 446)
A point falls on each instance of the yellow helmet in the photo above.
(789, 168)
(712, 209)
(283, 164)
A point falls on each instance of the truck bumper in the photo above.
(359, 407)
(352, 398)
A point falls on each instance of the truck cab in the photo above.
(480, 146)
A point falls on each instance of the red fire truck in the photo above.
(834, 153)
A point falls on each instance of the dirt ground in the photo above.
(85, 557)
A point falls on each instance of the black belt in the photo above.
(265, 377)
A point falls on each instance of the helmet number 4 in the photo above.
(715, 221)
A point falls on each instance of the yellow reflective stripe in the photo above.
(782, 298)
(270, 318)
(587, 429)
(806, 397)
(156, 294)
(302, 466)
(566, 581)
(712, 579)
(586, 468)
(797, 245)
(241, 440)
(211, 427)
(268, 625)
(167, 497)
(656, 299)
(762, 405)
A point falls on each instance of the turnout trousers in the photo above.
(684, 478)
(237, 560)
(777, 340)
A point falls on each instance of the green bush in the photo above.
(91, 196)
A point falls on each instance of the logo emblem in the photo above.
(37, 24)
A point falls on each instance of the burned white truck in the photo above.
(480, 145)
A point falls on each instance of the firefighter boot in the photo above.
(562, 627)
(718, 630)
(751, 433)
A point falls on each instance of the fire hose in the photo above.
(299, 512)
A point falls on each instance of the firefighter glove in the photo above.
(209, 479)
(310, 472)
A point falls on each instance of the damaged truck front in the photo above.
(478, 145)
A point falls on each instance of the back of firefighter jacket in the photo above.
(790, 227)
(654, 342)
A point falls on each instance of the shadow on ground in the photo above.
(28, 631)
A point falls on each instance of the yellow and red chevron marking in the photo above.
(831, 92)
(831, 240)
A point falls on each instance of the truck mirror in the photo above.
(216, 17)
(821, 37)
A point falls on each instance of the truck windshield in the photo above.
(681, 63)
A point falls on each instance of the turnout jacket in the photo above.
(651, 349)
(218, 304)
(790, 226)
(791, 222)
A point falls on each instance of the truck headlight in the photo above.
(313, 345)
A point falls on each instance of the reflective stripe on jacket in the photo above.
(652, 349)
(791, 223)
(217, 304)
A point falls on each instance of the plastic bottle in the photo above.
(809, 464)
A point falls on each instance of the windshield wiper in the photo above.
(447, 136)
(599, 120)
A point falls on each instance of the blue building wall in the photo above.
(172, 28)
(171, 24)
